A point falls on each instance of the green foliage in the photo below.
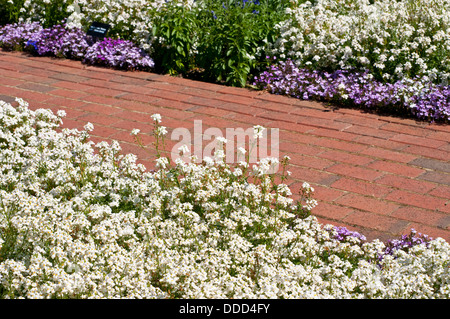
(174, 35)
(9, 12)
(225, 41)
(49, 14)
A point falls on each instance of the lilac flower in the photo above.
(74, 44)
(405, 242)
(15, 36)
(59, 41)
(342, 233)
(117, 53)
(418, 96)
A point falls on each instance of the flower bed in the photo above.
(391, 55)
(60, 41)
(417, 97)
(81, 220)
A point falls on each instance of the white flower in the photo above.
(156, 117)
(135, 131)
(258, 131)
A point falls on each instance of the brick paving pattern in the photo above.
(379, 175)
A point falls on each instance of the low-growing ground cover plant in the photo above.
(73, 43)
(416, 97)
(83, 220)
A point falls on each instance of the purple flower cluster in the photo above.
(405, 242)
(73, 44)
(342, 233)
(117, 53)
(355, 88)
(60, 42)
(12, 36)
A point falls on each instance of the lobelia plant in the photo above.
(418, 97)
(119, 54)
(60, 41)
(14, 36)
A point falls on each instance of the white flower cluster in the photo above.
(132, 17)
(79, 220)
(394, 37)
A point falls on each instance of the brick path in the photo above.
(375, 174)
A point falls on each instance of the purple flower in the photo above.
(117, 53)
(419, 97)
(15, 36)
(74, 44)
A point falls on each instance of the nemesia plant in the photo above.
(83, 220)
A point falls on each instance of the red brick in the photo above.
(277, 107)
(346, 157)
(96, 118)
(414, 199)
(171, 104)
(101, 109)
(326, 193)
(311, 176)
(377, 222)
(406, 129)
(334, 134)
(416, 140)
(101, 100)
(7, 81)
(360, 121)
(291, 148)
(324, 114)
(105, 91)
(441, 136)
(293, 127)
(374, 141)
(406, 183)
(426, 152)
(69, 93)
(312, 162)
(130, 125)
(444, 207)
(368, 131)
(328, 125)
(368, 204)
(72, 86)
(103, 131)
(354, 171)
(361, 187)
(331, 211)
(389, 155)
(441, 191)
(419, 215)
(340, 145)
(396, 168)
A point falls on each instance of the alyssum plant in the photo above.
(82, 220)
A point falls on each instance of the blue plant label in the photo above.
(98, 29)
